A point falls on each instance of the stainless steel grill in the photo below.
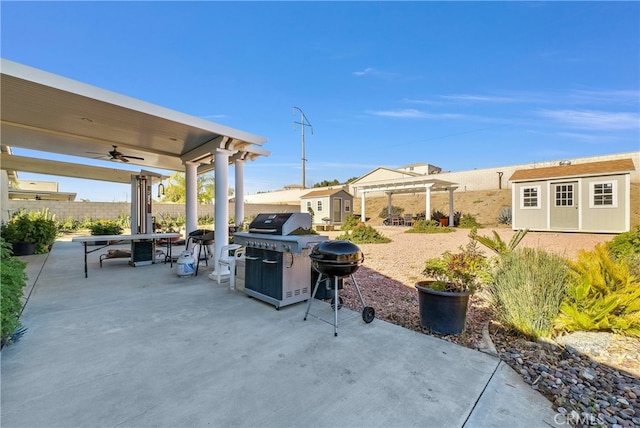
(277, 264)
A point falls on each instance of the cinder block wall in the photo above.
(111, 210)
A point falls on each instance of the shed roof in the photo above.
(583, 169)
(324, 192)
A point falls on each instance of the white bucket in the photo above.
(186, 264)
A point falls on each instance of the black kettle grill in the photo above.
(337, 259)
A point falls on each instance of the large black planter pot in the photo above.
(442, 312)
(23, 248)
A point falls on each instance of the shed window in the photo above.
(347, 206)
(603, 194)
(531, 197)
(319, 205)
(564, 195)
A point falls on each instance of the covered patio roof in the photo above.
(49, 113)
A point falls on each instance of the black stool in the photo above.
(202, 238)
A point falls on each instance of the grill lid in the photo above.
(336, 252)
(280, 223)
(336, 258)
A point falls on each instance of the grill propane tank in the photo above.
(186, 264)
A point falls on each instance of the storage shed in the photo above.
(330, 206)
(589, 197)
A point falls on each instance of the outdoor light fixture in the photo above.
(160, 189)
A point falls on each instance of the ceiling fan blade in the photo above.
(131, 157)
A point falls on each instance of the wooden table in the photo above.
(119, 239)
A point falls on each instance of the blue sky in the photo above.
(460, 85)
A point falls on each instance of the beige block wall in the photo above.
(111, 210)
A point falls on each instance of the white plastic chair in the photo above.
(230, 261)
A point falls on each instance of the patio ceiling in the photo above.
(49, 113)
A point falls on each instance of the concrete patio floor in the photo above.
(142, 347)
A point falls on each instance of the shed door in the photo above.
(564, 205)
(337, 210)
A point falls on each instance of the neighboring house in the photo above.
(332, 204)
(587, 197)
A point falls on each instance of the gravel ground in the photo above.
(593, 379)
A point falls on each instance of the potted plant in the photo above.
(30, 232)
(440, 217)
(444, 298)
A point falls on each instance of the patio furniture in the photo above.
(230, 261)
(119, 239)
(408, 220)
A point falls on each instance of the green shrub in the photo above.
(363, 234)
(13, 280)
(527, 290)
(105, 227)
(350, 222)
(437, 215)
(124, 220)
(395, 211)
(497, 245)
(467, 221)
(69, 224)
(428, 226)
(602, 294)
(626, 244)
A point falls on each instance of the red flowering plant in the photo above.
(463, 271)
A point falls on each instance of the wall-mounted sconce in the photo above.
(160, 189)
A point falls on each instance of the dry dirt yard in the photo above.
(403, 259)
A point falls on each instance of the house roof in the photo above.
(400, 173)
(320, 193)
(582, 169)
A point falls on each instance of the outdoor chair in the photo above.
(229, 260)
(408, 220)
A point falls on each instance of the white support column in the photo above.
(451, 210)
(389, 208)
(191, 196)
(221, 228)
(427, 206)
(363, 217)
(239, 211)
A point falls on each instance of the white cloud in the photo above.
(479, 98)
(366, 71)
(415, 114)
(593, 119)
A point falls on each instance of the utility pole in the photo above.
(303, 122)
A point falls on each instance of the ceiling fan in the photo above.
(115, 155)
